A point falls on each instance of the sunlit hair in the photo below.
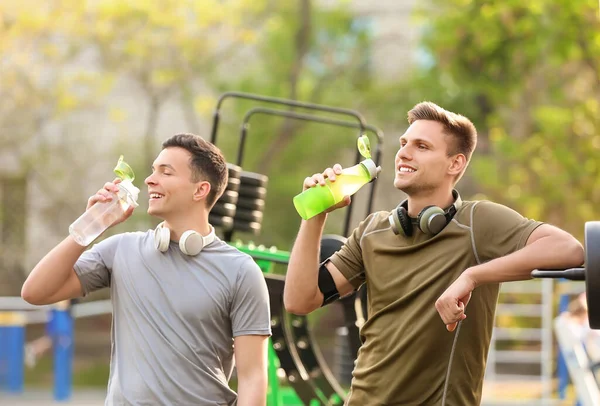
(207, 163)
(461, 130)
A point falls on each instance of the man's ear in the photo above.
(202, 190)
(457, 165)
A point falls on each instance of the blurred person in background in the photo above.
(577, 318)
(37, 348)
(181, 320)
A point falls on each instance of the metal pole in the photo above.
(12, 351)
(286, 102)
(62, 329)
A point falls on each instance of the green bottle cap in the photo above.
(123, 170)
(364, 146)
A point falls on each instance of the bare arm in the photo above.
(251, 365)
(301, 294)
(547, 247)
(53, 279)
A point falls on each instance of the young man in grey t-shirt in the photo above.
(186, 305)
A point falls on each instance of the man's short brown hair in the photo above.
(460, 128)
(207, 163)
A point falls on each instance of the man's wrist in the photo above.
(473, 275)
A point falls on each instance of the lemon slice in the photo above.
(123, 170)
(364, 146)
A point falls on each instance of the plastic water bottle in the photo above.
(316, 200)
(102, 215)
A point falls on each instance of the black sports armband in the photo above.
(327, 285)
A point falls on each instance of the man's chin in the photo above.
(402, 186)
(406, 188)
(153, 212)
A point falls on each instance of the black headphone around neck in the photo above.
(431, 220)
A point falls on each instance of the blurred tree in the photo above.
(528, 74)
(306, 53)
(66, 58)
(66, 61)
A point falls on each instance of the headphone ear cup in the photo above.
(191, 243)
(432, 220)
(400, 222)
(162, 237)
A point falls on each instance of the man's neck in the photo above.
(442, 198)
(180, 225)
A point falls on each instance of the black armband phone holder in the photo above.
(327, 285)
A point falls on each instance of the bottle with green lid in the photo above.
(317, 199)
(102, 215)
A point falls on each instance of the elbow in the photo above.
(29, 294)
(295, 306)
(577, 252)
(296, 310)
(299, 309)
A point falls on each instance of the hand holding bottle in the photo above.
(322, 194)
(319, 179)
(107, 194)
(111, 205)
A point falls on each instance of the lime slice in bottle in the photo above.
(364, 146)
(123, 170)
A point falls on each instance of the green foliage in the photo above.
(528, 75)
(316, 55)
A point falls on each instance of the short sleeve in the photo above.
(94, 266)
(349, 259)
(499, 230)
(250, 309)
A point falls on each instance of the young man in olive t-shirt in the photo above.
(423, 262)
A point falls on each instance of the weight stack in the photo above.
(222, 213)
(251, 202)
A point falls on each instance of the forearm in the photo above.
(51, 273)
(252, 390)
(301, 294)
(546, 253)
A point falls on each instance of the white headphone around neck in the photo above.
(190, 243)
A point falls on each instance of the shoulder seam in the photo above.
(365, 232)
(473, 246)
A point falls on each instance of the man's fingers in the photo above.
(319, 179)
(329, 173)
(452, 325)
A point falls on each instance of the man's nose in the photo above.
(404, 154)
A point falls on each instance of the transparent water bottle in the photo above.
(102, 215)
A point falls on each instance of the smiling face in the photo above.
(171, 187)
(422, 162)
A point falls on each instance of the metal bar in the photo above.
(63, 353)
(518, 357)
(532, 334)
(17, 303)
(12, 336)
(532, 310)
(285, 102)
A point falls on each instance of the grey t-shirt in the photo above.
(175, 317)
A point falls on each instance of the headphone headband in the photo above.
(190, 243)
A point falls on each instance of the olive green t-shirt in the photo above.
(407, 356)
